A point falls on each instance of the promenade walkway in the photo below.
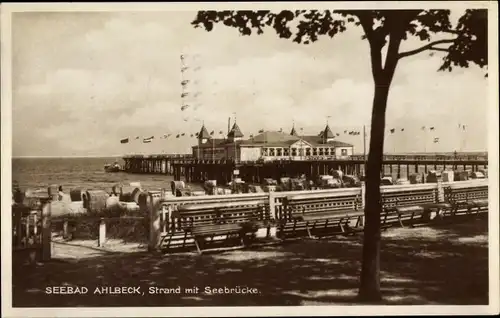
(439, 264)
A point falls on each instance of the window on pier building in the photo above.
(265, 152)
(271, 152)
(294, 152)
(301, 152)
(343, 152)
(279, 152)
(308, 151)
(315, 151)
(286, 152)
(321, 151)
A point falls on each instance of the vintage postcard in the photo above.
(249, 159)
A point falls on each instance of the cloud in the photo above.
(80, 89)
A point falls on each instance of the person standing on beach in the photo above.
(60, 194)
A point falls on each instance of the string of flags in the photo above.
(221, 132)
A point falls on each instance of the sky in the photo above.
(82, 81)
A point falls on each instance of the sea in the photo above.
(83, 173)
(88, 173)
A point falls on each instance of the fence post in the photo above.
(272, 205)
(65, 229)
(271, 229)
(440, 191)
(154, 225)
(46, 230)
(102, 233)
(363, 193)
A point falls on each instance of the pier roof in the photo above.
(279, 139)
(204, 133)
(327, 133)
(235, 132)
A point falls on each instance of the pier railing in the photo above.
(164, 218)
(188, 158)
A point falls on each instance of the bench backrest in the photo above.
(220, 213)
(332, 202)
(454, 194)
(408, 197)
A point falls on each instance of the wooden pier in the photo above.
(194, 170)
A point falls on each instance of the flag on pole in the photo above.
(177, 136)
(137, 137)
(212, 133)
(392, 130)
(261, 131)
(147, 140)
(184, 82)
(436, 140)
(402, 129)
(183, 134)
(184, 94)
(432, 128)
(124, 141)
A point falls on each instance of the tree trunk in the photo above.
(369, 290)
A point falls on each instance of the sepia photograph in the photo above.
(270, 158)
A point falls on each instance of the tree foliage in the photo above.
(467, 41)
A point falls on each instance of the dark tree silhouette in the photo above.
(384, 31)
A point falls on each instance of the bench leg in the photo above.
(308, 230)
(197, 245)
(400, 220)
(294, 226)
(411, 220)
(358, 221)
(342, 229)
(242, 239)
(185, 239)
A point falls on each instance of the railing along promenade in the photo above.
(160, 217)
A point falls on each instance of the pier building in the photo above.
(270, 146)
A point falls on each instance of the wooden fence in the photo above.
(32, 228)
(165, 225)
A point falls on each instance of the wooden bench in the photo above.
(407, 204)
(326, 214)
(467, 198)
(208, 220)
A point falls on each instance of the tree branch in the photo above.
(438, 49)
(366, 22)
(424, 48)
